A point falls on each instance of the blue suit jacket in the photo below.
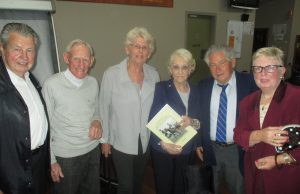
(244, 84)
(166, 93)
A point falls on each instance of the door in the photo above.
(296, 60)
(260, 38)
(199, 36)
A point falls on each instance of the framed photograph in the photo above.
(159, 3)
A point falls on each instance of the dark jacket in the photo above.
(244, 86)
(166, 93)
(15, 142)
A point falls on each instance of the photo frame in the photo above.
(158, 3)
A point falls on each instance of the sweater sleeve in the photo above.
(49, 100)
(96, 115)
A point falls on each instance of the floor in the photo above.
(149, 187)
(148, 184)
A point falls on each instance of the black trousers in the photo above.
(169, 172)
(130, 170)
(40, 171)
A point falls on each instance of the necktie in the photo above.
(222, 115)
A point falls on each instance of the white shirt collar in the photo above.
(15, 78)
(74, 80)
(231, 81)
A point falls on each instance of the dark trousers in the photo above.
(130, 171)
(81, 174)
(169, 172)
(40, 171)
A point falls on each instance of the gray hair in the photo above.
(20, 28)
(272, 52)
(185, 55)
(79, 42)
(143, 33)
(229, 52)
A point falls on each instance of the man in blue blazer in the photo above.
(224, 156)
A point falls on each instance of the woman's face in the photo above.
(138, 52)
(180, 70)
(269, 77)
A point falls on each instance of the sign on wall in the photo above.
(235, 36)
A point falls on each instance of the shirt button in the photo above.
(27, 160)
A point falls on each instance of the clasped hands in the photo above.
(273, 136)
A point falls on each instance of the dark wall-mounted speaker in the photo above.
(244, 17)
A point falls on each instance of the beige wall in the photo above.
(105, 27)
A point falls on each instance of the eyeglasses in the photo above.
(176, 67)
(268, 68)
(140, 47)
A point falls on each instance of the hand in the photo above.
(95, 131)
(266, 163)
(186, 121)
(274, 136)
(171, 148)
(106, 149)
(199, 152)
(56, 172)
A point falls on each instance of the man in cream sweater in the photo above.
(72, 101)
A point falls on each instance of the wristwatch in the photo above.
(287, 158)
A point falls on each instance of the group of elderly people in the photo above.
(59, 127)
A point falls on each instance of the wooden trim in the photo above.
(158, 3)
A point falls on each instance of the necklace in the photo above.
(264, 108)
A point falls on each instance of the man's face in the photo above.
(19, 53)
(221, 68)
(79, 60)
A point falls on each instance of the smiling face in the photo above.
(19, 53)
(220, 67)
(180, 70)
(267, 81)
(138, 52)
(79, 60)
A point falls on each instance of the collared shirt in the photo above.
(74, 80)
(37, 116)
(124, 109)
(231, 93)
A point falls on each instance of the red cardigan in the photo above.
(283, 110)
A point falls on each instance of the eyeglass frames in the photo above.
(268, 68)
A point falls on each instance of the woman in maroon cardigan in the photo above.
(262, 116)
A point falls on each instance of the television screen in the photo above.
(245, 4)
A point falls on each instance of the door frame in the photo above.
(212, 41)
